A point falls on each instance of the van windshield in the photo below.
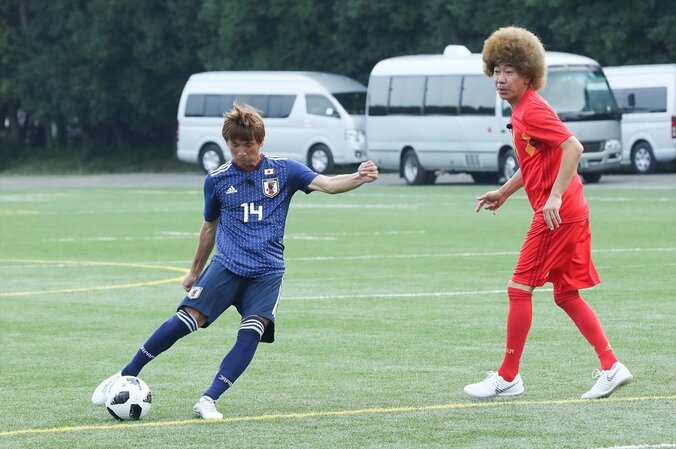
(353, 102)
(580, 94)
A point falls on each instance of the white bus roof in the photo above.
(330, 81)
(464, 64)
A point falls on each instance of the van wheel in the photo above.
(414, 174)
(591, 178)
(642, 158)
(508, 164)
(320, 159)
(211, 157)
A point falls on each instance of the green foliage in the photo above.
(114, 70)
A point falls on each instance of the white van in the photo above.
(646, 95)
(439, 113)
(314, 118)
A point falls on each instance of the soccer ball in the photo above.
(129, 399)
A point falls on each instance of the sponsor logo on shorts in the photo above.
(194, 292)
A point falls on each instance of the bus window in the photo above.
(442, 96)
(478, 96)
(406, 95)
(379, 92)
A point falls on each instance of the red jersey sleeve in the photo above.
(543, 125)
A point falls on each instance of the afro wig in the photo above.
(519, 48)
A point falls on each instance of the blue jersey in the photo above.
(252, 207)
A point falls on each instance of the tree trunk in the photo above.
(15, 129)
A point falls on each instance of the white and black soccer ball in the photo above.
(129, 399)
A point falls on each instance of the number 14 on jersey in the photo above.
(251, 209)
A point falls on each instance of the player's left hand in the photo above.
(189, 280)
(368, 171)
(551, 212)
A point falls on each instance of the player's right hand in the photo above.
(489, 201)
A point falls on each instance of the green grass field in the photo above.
(394, 299)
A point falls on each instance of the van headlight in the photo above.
(612, 146)
(355, 136)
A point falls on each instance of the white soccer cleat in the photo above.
(608, 381)
(206, 409)
(100, 394)
(494, 386)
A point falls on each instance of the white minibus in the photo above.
(312, 117)
(428, 114)
(646, 95)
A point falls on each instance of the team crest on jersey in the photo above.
(271, 187)
(194, 292)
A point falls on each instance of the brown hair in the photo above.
(244, 123)
(519, 48)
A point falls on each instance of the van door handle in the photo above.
(307, 123)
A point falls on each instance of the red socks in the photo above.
(588, 324)
(519, 319)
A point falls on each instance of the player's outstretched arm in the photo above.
(495, 198)
(205, 245)
(367, 172)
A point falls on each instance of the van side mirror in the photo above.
(330, 112)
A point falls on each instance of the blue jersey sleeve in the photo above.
(212, 208)
(301, 175)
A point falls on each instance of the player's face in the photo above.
(510, 84)
(245, 153)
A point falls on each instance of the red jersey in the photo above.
(538, 132)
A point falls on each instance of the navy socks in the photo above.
(238, 359)
(163, 338)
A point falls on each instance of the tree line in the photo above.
(106, 75)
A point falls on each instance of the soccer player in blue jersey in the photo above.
(246, 202)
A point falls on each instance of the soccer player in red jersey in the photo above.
(557, 247)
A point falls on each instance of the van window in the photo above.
(320, 105)
(443, 95)
(353, 102)
(379, 92)
(279, 106)
(215, 105)
(271, 106)
(645, 99)
(406, 95)
(259, 102)
(579, 95)
(194, 107)
(478, 96)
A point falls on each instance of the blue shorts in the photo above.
(218, 288)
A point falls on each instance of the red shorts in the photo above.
(561, 256)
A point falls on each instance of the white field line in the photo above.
(175, 235)
(641, 446)
(403, 295)
(465, 254)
